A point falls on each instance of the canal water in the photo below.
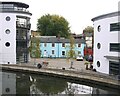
(20, 83)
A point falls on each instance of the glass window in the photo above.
(115, 26)
(45, 44)
(53, 44)
(63, 53)
(79, 45)
(7, 44)
(98, 45)
(115, 47)
(7, 90)
(114, 67)
(8, 5)
(99, 28)
(1, 5)
(79, 52)
(63, 44)
(23, 22)
(7, 18)
(53, 52)
(7, 31)
(98, 63)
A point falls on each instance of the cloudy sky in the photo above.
(77, 12)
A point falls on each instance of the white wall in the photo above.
(8, 54)
(104, 37)
(8, 81)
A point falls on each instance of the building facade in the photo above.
(59, 47)
(107, 43)
(14, 32)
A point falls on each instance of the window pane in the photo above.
(63, 44)
(79, 45)
(53, 45)
(115, 47)
(53, 52)
(63, 52)
(115, 26)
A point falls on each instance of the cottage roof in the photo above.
(59, 40)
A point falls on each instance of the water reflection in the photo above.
(16, 83)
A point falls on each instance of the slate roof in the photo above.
(61, 40)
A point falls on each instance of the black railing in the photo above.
(25, 26)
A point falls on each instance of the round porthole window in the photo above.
(7, 31)
(98, 45)
(7, 18)
(7, 44)
(98, 63)
(99, 28)
(7, 90)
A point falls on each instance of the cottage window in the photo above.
(63, 44)
(79, 45)
(53, 52)
(63, 53)
(53, 44)
(45, 44)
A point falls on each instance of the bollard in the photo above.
(39, 66)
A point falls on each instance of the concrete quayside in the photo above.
(87, 76)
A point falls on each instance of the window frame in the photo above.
(63, 53)
(53, 52)
(115, 47)
(115, 27)
(53, 44)
(79, 45)
(63, 44)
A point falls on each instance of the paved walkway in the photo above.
(78, 66)
(60, 63)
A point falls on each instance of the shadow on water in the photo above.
(19, 83)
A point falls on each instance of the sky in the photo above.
(77, 12)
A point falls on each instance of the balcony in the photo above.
(24, 26)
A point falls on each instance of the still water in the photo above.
(20, 83)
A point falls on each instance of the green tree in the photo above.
(71, 48)
(35, 48)
(53, 25)
(71, 51)
(88, 29)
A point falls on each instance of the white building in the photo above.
(14, 32)
(7, 83)
(107, 43)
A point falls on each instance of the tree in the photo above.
(88, 29)
(35, 48)
(71, 50)
(53, 25)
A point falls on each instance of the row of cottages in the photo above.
(58, 47)
(107, 43)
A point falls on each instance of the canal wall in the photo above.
(83, 76)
